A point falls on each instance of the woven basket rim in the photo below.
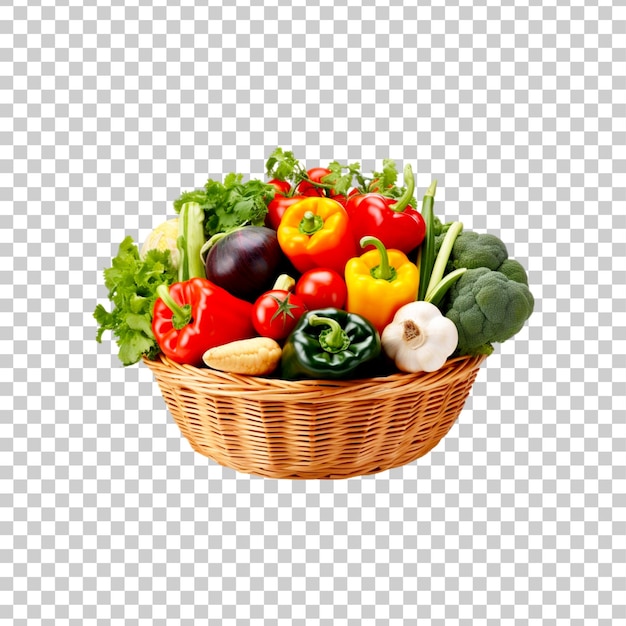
(223, 383)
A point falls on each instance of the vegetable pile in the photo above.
(321, 273)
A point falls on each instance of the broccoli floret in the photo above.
(513, 270)
(486, 307)
(472, 250)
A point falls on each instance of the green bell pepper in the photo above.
(329, 344)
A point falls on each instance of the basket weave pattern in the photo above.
(314, 429)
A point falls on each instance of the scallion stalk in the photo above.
(436, 295)
(427, 249)
(443, 255)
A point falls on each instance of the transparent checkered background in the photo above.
(108, 112)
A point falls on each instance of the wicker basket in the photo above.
(314, 429)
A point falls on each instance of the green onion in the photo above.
(436, 295)
(427, 249)
(444, 254)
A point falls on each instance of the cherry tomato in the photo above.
(277, 207)
(305, 188)
(341, 198)
(276, 312)
(282, 186)
(319, 288)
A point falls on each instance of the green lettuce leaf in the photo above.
(132, 283)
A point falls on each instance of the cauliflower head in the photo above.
(487, 307)
(163, 237)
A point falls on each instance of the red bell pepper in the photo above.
(192, 316)
(398, 225)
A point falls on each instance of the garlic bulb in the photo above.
(419, 338)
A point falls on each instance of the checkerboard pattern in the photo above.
(109, 110)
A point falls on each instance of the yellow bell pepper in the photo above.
(379, 282)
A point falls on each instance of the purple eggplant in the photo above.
(245, 261)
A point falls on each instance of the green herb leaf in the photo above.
(384, 182)
(389, 175)
(198, 195)
(282, 165)
(341, 183)
(230, 204)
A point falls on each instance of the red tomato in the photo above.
(277, 207)
(305, 188)
(319, 288)
(276, 312)
(282, 186)
(341, 198)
